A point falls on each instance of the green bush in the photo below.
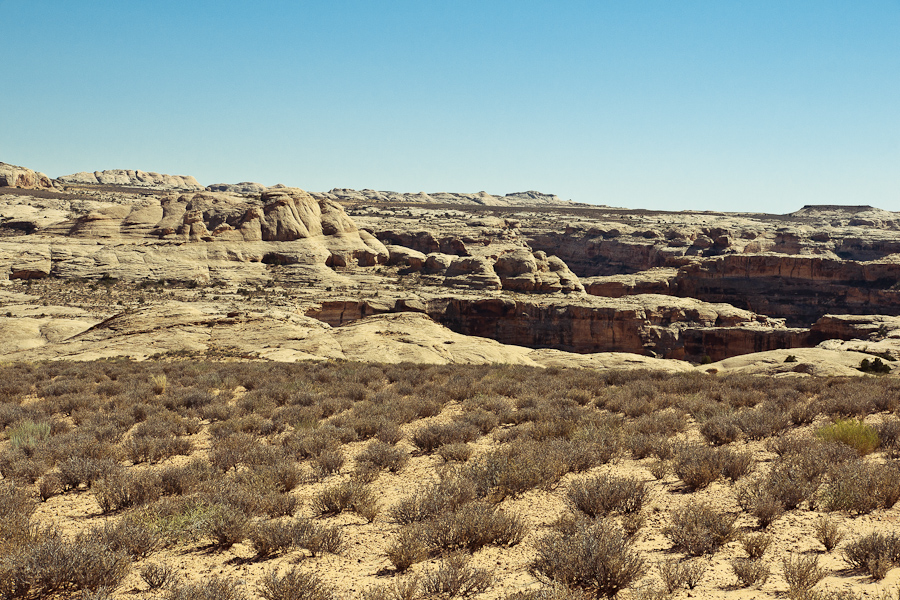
(852, 432)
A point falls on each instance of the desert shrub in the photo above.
(430, 438)
(157, 575)
(428, 502)
(861, 487)
(595, 558)
(80, 470)
(803, 413)
(697, 466)
(889, 436)
(407, 548)
(828, 533)
(602, 494)
(698, 529)
(471, 527)
(659, 468)
(317, 538)
(760, 501)
(18, 465)
(761, 422)
(238, 449)
(802, 572)
(309, 444)
(122, 488)
(49, 485)
(382, 456)
(483, 420)
(852, 432)
(156, 449)
(293, 585)
(677, 574)
(398, 589)
(350, 495)
(721, 429)
(16, 508)
(184, 479)
(213, 588)
(328, 462)
(128, 534)
(227, 526)
(455, 578)
(460, 452)
(750, 571)
(756, 544)
(519, 466)
(735, 464)
(272, 537)
(53, 565)
(874, 553)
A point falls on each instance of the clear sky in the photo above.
(738, 105)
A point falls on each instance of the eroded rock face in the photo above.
(134, 178)
(675, 285)
(21, 177)
(196, 237)
(529, 198)
(244, 187)
(661, 326)
(798, 288)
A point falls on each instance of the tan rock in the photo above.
(22, 177)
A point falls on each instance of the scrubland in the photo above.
(190, 479)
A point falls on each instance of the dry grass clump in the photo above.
(603, 494)
(470, 527)
(430, 438)
(698, 466)
(595, 558)
(350, 495)
(750, 571)
(157, 575)
(379, 455)
(828, 533)
(455, 578)
(677, 574)
(875, 553)
(860, 486)
(802, 572)
(698, 529)
(293, 585)
(214, 588)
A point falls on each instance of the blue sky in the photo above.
(716, 105)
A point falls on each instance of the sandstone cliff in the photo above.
(133, 178)
(21, 177)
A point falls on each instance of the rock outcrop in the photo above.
(205, 237)
(662, 326)
(244, 187)
(21, 177)
(529, 198)
(133, 178)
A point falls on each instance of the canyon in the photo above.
(522, 277)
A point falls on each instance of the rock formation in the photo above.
(536, 278)
(529, 198)
(21, 177)
(132, 178)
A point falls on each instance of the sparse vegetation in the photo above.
(273, 485)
